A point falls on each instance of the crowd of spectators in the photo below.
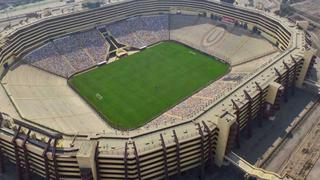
(213, 89)
(141, 31)
(162, 120)
(198, 102)
(80, 51)
(95, 44)
(189, 107)
(70, 47)
(70, 54)
(47, 58)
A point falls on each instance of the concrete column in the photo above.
(126, 161)
(176, 140)
(261, 105)
(210, 153)
(2, 170)
(86, 160)
(46, 160)
(202, 152)
(25, 154)
(307, 59)
(249, 110)
(137, 160)
(224, 124)
(165, 163)
(16, 152)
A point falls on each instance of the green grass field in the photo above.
(133, 90)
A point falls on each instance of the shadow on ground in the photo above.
(263, 137)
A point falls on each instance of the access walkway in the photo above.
(252, 170)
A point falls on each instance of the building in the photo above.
(158, 153)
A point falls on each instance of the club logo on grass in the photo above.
(99, 97)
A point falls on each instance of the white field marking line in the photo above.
(191, 52)
(63, 116)
(99, 96)
(37, 98)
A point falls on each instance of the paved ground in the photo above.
(227, 42)
(298, 155)
(315, 172)
(14, 15)
(47, 99)
(282, 155)
(271, 5)
(308, 8)
(301, 161)
(315, 73)
(6, 105)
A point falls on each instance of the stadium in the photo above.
(143, 89)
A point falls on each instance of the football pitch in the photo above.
(135, 89)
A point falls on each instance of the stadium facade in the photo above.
(158, 153)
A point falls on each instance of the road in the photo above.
(294, 157)
(252, 149)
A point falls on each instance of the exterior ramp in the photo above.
(250, 169)
(312, 83)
